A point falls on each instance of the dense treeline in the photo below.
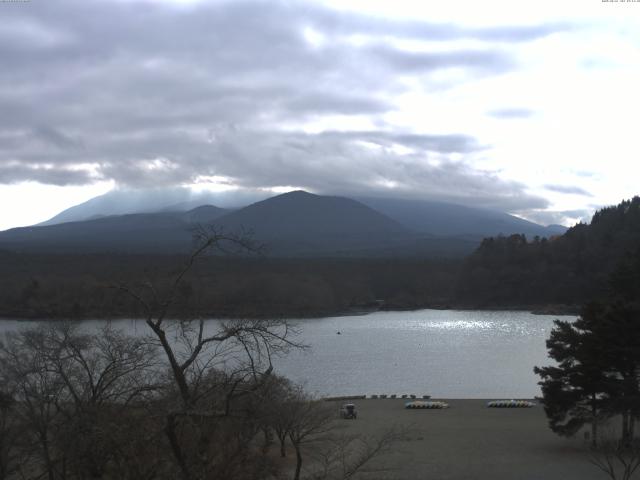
(571, 269)
(85, 286)
(504, 272)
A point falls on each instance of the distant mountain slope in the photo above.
(204, 214)
(296, 223)
(299, 223)
(300, 220)
(426, 217)
(134, 233)
(570, 269)
(167, 232)
(292, 224)
(450, 220)
(124, 202)
(117, 202)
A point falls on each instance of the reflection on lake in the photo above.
(443, 353)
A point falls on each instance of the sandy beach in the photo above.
(471, 441)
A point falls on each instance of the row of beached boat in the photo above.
(420, 404)
(423, 404)
(375, 397)
(510, 404)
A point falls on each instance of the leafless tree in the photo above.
(276, 400)
(71, 389)
(104, 373)
(309, 421)
(37, 392)
(10, 454)
(618, 459)
(312, 427)
(211, 369)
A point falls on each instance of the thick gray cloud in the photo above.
(51, 136)
(147, 94)
(53, 175)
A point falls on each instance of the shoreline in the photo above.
(552, 310)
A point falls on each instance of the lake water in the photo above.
(442, 353)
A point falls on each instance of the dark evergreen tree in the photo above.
(618, 332)
(576, 391)
(598, 355)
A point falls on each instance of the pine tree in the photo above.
(598, 355)
(576, 391)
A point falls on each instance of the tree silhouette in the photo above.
(598, 371)
(576, 391)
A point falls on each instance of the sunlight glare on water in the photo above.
(443, 353)
(460, 325)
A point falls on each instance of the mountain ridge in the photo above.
(290, 224)
(294, 223)
(451, 220)
(446, 219)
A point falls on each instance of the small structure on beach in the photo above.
(348, 411)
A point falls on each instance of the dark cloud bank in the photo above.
(148, 94)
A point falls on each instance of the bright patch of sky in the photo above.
(29, 203)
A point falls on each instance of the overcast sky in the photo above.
(529, 107)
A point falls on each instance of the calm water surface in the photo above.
(443, 353)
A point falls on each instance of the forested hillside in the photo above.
(85, 286)
(568, 269)
(504, 272)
